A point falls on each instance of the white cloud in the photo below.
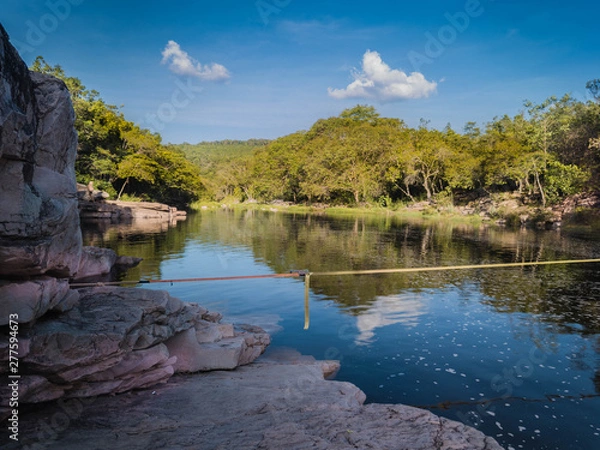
(183, 64)
(378, 81)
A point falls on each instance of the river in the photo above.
(514, 352)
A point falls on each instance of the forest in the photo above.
(546, 152)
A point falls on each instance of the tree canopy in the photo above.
(119, 156)
(544, 153)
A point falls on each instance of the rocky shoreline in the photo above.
(81, 361)
(95, 207)
(273, 403)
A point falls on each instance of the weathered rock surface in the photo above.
(117, 339)
(39, 222)
(208, 347)
(96, 263)
(34, 298)
(119, 211)
(266, 405)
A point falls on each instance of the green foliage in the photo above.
(224, 167)
(115, 153)
(562, 180)
(545, 153)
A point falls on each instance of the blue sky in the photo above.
(200, 70)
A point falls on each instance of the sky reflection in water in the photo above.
(514, 352)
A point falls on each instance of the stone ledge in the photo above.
(265, 405)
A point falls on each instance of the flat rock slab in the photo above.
(266, 405)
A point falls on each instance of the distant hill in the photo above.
(208, 155)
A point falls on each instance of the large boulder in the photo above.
(117, 339)
(39, 221)
(33, 298)
(102, 264)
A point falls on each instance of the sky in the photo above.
(210, 70)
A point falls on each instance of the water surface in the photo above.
(514, 352)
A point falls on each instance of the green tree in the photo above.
(139, 167)
(116, 153)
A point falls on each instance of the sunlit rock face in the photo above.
(99, 340)
(39, 221)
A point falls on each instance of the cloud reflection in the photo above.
(405, 309)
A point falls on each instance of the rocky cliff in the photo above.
(79, 343)
(39, 222)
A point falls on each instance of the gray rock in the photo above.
(102, 264)
(39, 221)
(32, 299)
(94, 206)
(137, 369)
(116, 339)
(265, 405)
(95, 262)
(211, 346)
(106, 324)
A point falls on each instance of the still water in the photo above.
(514, 352)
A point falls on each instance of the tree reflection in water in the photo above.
(407, 323)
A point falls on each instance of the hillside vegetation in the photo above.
(545, 153)
(222, 164)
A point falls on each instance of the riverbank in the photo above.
(94, 206)
(507, 210)
(279, 401)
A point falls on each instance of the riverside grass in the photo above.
(365, 210)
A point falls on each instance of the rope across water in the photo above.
(307, 276)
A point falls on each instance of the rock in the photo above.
(126, 262)
(102, 264)
(32, 299)
(106, 324)
(37, 389)
(117, 339)
(260, 406)
(256, 340)
(39, 222)
(284, 355)
(99, 208)
(212, 316)
(95, 262)
(137, 369)
(209, 346)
